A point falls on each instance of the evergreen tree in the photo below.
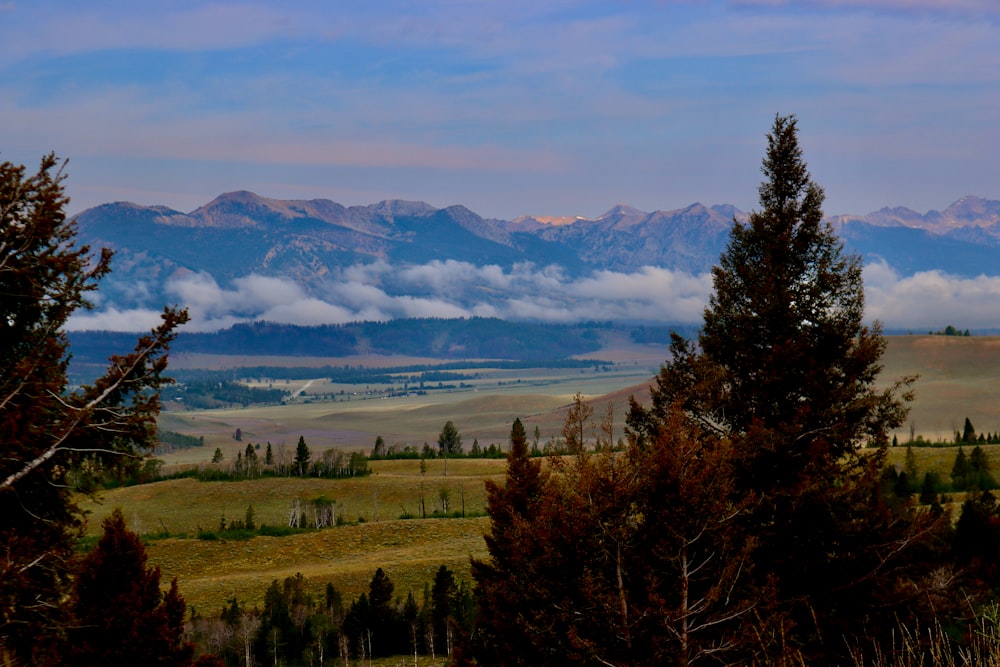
(928, 489)
(960, 471)
(384, 619)
(978, 461)
(302, 457)
(785, 366)
(47, 427)
(783, 345)
(120, 615)
(443, 594)
(449, 440)
(977, 537)
(632, 558)
(910, 465)
(269, 456)
(968, 432)
(502, 583)
(575, 429)
(979, 476)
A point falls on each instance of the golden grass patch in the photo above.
(410, 552)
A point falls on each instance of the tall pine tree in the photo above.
(503, 582)
(785, 367)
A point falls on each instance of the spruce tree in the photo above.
(302, 456)
(968, 432)
(120, 615)
(784, 346)
(449, 440)
(960, 470)
(786, 367)
(502, 583)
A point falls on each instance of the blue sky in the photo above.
(549, 108)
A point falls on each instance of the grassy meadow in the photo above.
(959, 378)
(410, 550)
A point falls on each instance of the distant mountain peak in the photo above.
(622, 211)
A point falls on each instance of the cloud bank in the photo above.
(452, 289)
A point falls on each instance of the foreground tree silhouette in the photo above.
(632, 558)
(785, 367)
(46, 428)
(503, 583)
(120, 616)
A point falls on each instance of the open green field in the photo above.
(212, 571)
(959, 377)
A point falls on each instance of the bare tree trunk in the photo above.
(345, 649)
(623, 599)
(413, 638)
(430, 640)
(685, 611)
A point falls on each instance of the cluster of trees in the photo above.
(168, 441)
(968, 473)
(748, 520)
(250, 463)
(294, 628)
(968, 436)
(222, 394)
(949, 331)
(577, 434)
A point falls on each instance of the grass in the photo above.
(185, 506)
(213, 571)
(941, 459)
(410, 552)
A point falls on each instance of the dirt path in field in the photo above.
(301, 390)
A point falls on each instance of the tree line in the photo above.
(296, 627)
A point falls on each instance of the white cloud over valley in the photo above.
(452, 289)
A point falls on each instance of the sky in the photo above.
(558, 107)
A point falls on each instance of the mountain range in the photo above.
(313, 242)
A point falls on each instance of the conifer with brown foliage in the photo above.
(786, 368)
(631, 558)
(119, 614)
(744, 524)
(48, 428)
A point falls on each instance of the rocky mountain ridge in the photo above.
(313, 241)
